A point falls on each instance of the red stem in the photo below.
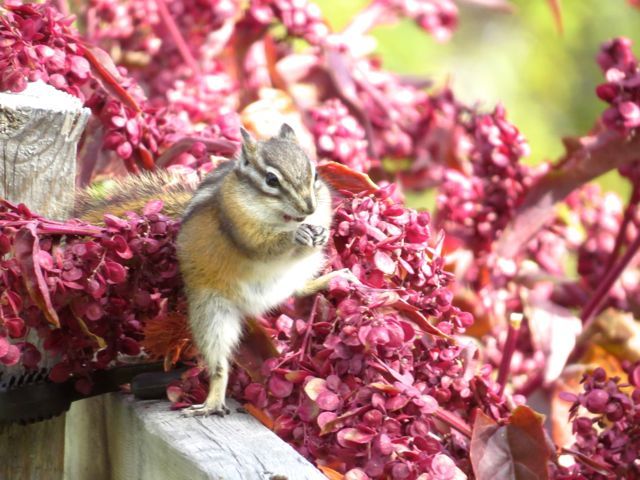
(628, 214)
(178, 39)
(96, 58)
(600, 295)
(601, 468)
(56, 229)
(509, 348)
(613, 271)
(220, 145)
(453, 421)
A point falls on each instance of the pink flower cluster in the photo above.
(38, 43)
(364, 381)
(301, 18)
(373, 380)
(600, 217)
(338, 135)
(606, 415)
(438, 17)
(476, 202)
(86, 290)
(622, 89)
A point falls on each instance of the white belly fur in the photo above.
(276, 281)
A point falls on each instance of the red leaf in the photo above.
(5, 244)
(384, 262)
(11, 357)
(30, 356)
(261, 415)
(174, 393)
(406, 379)
(413, 313)
(328, 400)
(279, 387)
(146, 158)
(154, 206)
(115, 272)
(354, 435)
(314, 387)
(4, 346)
(15, 327)
(338, 422)
(341, 177)
(60, 373)
(517, 450)
(107, 73)
(27, 248)
(324, 418)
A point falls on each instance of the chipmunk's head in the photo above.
(281, 178)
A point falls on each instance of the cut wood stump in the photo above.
(39, 133)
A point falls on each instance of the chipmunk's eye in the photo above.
(272, 180)
(315, 179)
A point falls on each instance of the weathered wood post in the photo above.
(39, 133)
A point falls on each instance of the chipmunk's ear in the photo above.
(287, 133)
(248, 144)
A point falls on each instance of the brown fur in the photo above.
(200, 240)
(234, 246)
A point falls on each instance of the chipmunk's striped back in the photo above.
(132, 193)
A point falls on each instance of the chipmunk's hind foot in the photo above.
(203, 410)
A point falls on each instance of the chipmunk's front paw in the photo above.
(204, 410)
(312, 235)
(348, 275)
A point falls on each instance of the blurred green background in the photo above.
(545, 79)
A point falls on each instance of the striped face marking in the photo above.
(280, 169)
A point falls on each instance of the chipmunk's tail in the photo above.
(132, 193)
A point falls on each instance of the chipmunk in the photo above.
(251, 236)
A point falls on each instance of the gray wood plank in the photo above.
(145, 440)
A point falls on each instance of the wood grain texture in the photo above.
(145, 440)
(32, 452)
(85, 442)
(39, 132)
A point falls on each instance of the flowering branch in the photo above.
(586, 159)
